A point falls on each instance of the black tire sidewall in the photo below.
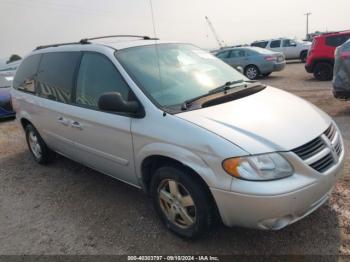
(46, 153)
(323, 72)
(198, 194)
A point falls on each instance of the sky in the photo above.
(26, 24)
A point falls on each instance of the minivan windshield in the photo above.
(171, 74)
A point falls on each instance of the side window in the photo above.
(336, 41)
(24, 78)
(223, 54)
(275, 44)
(237, 53)
(97, 75)
(56, 75)
(289, 43)
(262, 44)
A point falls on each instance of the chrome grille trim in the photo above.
(322, 152)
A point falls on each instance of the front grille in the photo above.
(322, 152)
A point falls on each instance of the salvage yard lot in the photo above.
(66, 208)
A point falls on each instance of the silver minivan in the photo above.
(203, 141)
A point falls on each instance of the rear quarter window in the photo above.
(262, 44)
(337, 40)
(24, 78)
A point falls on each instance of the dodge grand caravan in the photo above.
(203, 141)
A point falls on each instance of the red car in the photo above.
(320, 60)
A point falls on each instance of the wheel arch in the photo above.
(322, 60)
(151, 163)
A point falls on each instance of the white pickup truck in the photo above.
(291, 48)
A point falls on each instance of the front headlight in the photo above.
(258, 168)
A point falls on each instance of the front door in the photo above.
(103, 140)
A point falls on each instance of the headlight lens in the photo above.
(258, 168)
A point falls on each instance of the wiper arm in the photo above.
(227, 86)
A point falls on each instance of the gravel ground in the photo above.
(66, 208)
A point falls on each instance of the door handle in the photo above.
(63, 121)
(77, 125)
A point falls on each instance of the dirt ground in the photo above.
(66, 208)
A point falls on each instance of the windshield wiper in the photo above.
(227, 86)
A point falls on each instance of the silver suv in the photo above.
(205, 142)
(291, 48)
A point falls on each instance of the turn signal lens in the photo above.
(231, 165)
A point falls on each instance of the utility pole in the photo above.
(307, 24)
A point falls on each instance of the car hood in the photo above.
(267, 121)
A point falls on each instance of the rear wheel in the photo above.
(41, 153)
(323, 71)
(252, 72)
(181, 201)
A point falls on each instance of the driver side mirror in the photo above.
(293, 44)
(114, 102)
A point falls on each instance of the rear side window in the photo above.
(223, 54)
(237, 53)
(56, 75)
(97, 75)
(24, 78)
(275, 44)
(336, 40)
(262, 44)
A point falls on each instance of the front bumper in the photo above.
(276, 204)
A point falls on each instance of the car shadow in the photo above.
(7, 119)
(65, 208)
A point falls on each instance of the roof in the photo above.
(333, 33)
(92, 45)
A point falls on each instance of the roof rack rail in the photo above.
(55, 45)
(86, 40)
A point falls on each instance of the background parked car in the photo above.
(255, 61)
(320, 60)
(6, 77)
(341, 79)
(292, 49)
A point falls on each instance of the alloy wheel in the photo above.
(34, 145)
(177, 203)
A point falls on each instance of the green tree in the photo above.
(13, 58)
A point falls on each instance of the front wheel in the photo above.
(303, 57)
(181, 202)
(252, 72)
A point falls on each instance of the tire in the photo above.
(172, 185)
(323, 71)
(303, 56)
(37, 147)
(267, 74)
(252, 72)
